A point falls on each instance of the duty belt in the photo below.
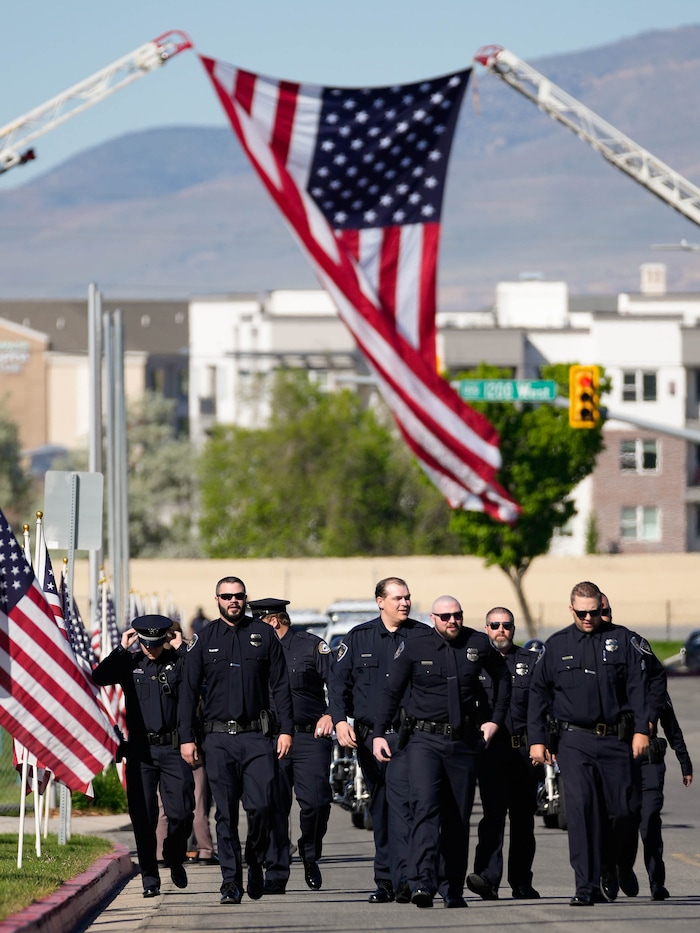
(309, 727)
(157, 738)
(600, 728)
(442, 728)
(363, 729)
(231, 726)
(518, 740)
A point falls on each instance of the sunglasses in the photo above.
(582, 613)
(494, 626)
(239, 597)
(165, 686)
(446, 616)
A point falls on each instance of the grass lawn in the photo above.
(39, 877)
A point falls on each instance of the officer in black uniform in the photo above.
(358, 673)
(307, 767)
(586, 677)
(442, 668)
(507, 779)
(241, 661)
(151, 678)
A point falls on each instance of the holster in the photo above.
(657, 750)
(625, 727)
(408, 724)
(267, 722)
(553, 735)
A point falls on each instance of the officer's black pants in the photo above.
(601, 801)
(389, 807)
(508, 787)
(442, 776)
(306, 770)
(149, 768)
(240, 768)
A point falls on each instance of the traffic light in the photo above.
(583, 396)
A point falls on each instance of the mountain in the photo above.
(176, 211)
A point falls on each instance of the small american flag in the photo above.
(45, 699)
(359, 174)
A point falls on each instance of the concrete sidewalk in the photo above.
(77, 900)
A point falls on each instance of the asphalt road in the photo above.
(341, 906)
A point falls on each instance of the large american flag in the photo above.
(359, 175)
(45, 699)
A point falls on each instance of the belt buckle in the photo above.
(601, 728)
(516, 741)
(232, 727)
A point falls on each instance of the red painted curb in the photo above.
(64, 909)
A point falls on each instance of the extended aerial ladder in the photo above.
(613, 145)
(17, 134)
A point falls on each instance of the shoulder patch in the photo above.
(342, 651)
(399, 649)
(193, 641)
(641, 645)
(323, 647)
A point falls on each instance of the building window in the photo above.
(638, 386)
(640, 523)
(639, 456)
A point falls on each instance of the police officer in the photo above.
(358, 673)
(587, 675)
(240, 660)
(507, 779)
(307, 766)
(151, 679)
(442, 668)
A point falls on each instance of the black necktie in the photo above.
(454, 706)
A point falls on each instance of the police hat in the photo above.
(152, 629)
(266, 607)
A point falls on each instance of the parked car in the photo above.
(691, 652)
(345, 614)
(311, 620)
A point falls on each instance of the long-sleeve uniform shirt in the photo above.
(422, 662)
(243, 668)
(586, 680)
(308, 661)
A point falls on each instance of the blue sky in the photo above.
(48, 46)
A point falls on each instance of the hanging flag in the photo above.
(45, 699)
(359, 175)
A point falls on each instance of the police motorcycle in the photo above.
(348, 785)
(551, 805)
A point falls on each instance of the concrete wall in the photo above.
(652, 593)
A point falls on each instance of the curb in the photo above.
(64, 909)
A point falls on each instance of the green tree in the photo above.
(15, 487)
(326, 477)
(543, 461)
(161, 478)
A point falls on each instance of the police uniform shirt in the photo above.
(422, 662)
(587, 679)
(520, 663)
(151, 688)
(361, 667)
(240, 664)
(672, 730)
(308, 660)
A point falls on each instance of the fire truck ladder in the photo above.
(613, 145)
(15, 135)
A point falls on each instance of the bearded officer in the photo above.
(151, 678)
(241, 661)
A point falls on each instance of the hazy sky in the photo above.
(49, 46)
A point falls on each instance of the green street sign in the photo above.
(506, 390)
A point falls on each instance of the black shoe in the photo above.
(609, 887)
(482, 887)
(256, 882)
(212, 860)
(628, 883)
(274, 887)
(179, 876)
(384, 893)
(312, 875)
(526, 892)
(455, 902)
(231, 894)
(151, 891)
(421, 897)
(581, 900)
(192, 857)
(403, 893)
(659, 893)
